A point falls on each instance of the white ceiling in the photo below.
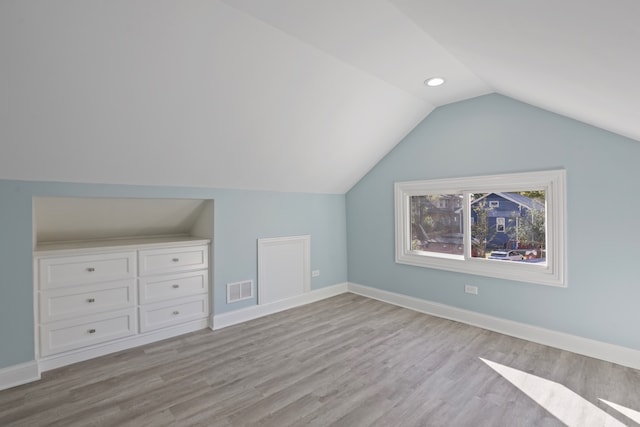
(576, 58)
(286, 95)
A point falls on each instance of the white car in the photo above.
(506, 255)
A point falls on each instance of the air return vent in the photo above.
(239, 291)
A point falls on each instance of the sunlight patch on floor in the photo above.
(566, 405)
(630, 413)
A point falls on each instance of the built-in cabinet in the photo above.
(173, 285)
(96, 297)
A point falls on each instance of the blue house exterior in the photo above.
(504, 212)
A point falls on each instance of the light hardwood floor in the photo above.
(344, 361)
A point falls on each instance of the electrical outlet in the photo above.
(471, 289)
(315, 273)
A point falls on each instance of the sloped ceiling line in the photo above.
(286, 95)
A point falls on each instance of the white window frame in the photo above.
(501, 221)
(553, 182)
(494, 203)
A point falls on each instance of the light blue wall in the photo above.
(241, 217)
(486, 135)
(495, 134)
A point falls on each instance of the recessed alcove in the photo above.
(59, 220)
(116, 273)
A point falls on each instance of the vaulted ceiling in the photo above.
(286, 95)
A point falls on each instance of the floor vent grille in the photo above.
(239, 291)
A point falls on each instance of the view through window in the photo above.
(509, 226)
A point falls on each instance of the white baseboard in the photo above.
(19, 374)
(67, 358)
(585, 346)
(234, 317)
(30, 371)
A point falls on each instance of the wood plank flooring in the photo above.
(343, 361)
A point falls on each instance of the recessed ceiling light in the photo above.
(434, 81)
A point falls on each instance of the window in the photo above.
(508, 226)
(436, 227)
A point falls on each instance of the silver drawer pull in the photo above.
(90, 300)
(91, 269)
(92, 331)
(175, 313)
(176, 286)
(175, 259)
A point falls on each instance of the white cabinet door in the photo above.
(172, 260)
(58, 272)
(63, 303)
(170, 286)
(76, 333)
(169, 313)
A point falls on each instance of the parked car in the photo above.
(506, 255)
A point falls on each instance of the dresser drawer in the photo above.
(169, 286)
(64, 303)
(74, 270)
(160, 315)
(170, 260)
(72, 334)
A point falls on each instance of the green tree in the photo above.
(480, 229)
(421, 221)
(531, 228)
(534, 194)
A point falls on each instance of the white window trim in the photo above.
(552, 182)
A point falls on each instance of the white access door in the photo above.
(284, 268)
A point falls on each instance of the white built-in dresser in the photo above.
(96, 297)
